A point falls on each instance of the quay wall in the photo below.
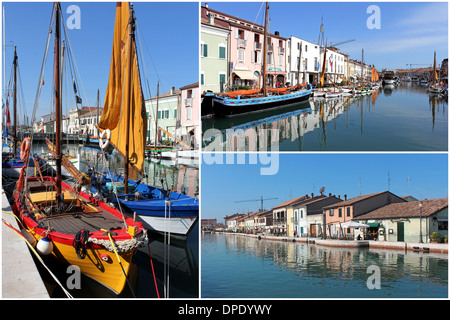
(405, 246)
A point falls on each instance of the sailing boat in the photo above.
(434, 87)
(124, 121)
(72, 226)
(11, 164)
(249, 101)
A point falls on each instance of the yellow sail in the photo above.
(124, 93)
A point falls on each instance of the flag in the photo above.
(7, 114)
(42, 81)
(331, 64)
(78, 99)
(74, 86)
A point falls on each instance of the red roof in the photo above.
(407, 209)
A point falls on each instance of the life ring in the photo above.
(25, 149)
(104, 138)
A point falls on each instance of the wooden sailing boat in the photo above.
(70, 225)
(124, 119)
(11, 164)
(434, 87)
(254, 101)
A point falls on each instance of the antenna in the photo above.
(389, 181)
(409, 186)
(360, 186)
(322, 190)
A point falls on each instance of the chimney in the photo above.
(345, 197)
(339, 196)
(172, 90)
(312, 194)
(211, 18)
(329, 194)
(206, 5)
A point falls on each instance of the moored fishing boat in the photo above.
(69, 225)
(124, 121)
(256, 100)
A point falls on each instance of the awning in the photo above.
(245, 75)
(373, 224)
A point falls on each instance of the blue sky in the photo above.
(169, 34)
(300, 174)
(409, 31)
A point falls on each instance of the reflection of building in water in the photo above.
(267, 133)
(340, 263)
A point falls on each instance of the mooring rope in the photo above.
(35, 252)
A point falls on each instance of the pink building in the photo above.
(246, 43)
(190, 115)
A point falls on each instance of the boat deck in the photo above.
(72, 223)
(78, 213)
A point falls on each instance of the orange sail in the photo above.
(124, 93)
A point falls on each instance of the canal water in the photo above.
(404, 117)
(170, 263)
(243, 267)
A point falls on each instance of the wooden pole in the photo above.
(128, 102)
(265, 52)
(57, 106)
(15, 103)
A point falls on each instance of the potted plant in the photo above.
(435, 237)
(446, 238)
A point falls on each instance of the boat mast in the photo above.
(156, 115)
(265, 52)
(15, 102)
(57, 96)
(299, 64)
(130, 47)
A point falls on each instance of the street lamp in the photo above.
(420, 212)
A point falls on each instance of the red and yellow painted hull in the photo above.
(101, 261)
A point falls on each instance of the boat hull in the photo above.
(101, 261)
(224, 106)
(178, 219)
(179, 227)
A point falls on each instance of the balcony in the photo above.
(188, 102)
(258, 46)
(269, 48)
(242, 43)
(281, 50)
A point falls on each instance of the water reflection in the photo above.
(394, 118)
(302, 270)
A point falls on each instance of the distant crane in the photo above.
(339, 43)
(418, 64)
(262, 201)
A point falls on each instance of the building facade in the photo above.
(214, 53)
(189, 129)
(347, 210)
(164, 110)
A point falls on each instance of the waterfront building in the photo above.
(88, 118)
(245, 45)
(82, 120)
(412, 221)
(335, 65)
(189, 127)
(208, 224)
(263, 220)
(164, 108)
(214, 52)
(309, 64)
(231, 222)
(347, 210)
(307, 220)
(280, 214)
